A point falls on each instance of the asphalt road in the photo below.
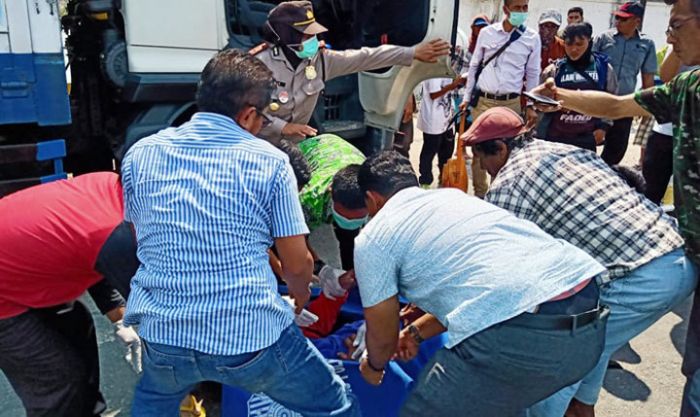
(648, 385)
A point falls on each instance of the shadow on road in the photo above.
(625, 385)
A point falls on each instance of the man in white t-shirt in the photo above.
(436, 112)
(657, 166)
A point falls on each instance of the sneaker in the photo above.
(425, 186)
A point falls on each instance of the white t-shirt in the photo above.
(435, 115)
(667, 128)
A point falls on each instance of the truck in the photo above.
(103, 74)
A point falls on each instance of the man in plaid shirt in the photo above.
(572, 194)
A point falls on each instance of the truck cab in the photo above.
(134, 66)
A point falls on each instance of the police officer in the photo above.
(301, 66)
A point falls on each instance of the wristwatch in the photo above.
(413, 331)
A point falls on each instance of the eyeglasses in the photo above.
(674, 27)
(266, 119)
(622, 19)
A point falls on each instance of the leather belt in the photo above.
(499, 97)
(564, 322)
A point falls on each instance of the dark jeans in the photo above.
(441, 145)
(658, 165)
(510, 366)
(346, 244)
(616, 140)
(50, 358)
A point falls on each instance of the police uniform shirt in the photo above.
(298, 89)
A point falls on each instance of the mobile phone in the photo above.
(539, 99)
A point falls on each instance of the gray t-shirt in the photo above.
(467, 262)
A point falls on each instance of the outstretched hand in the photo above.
(432, 50)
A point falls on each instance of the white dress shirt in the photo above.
(518, 65)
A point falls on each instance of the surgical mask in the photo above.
(348, 224)
(309, 48)
(517, 18)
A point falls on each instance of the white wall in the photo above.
(598, 13)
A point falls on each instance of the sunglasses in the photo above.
(622, 19)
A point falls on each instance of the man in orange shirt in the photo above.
(552, 45)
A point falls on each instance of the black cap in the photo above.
(630, 9)
(297, 14)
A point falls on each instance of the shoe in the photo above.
(190, 407)
(425, 186)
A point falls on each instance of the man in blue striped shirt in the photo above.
(207, 200)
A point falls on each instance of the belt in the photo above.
(562, 322)
(499, 97)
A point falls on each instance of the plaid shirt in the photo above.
(572, 194)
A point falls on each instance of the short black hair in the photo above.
(386, 173)
(575, 9)
(632, 177)
(694, 5)
(346, 190)
(490, 147)
(577, 30)
(232, 80)
(300, 166)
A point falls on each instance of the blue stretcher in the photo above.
(382, 401)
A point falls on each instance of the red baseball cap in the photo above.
(495, 123)
(630, 9)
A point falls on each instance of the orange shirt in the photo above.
(553, 52)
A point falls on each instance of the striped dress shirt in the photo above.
(207, 199)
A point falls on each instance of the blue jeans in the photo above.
(636, 301)
(291, 372)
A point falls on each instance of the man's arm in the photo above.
(670, 65)
(592, 103)
(289, 230)
(381, 339)
(647, 80)
(107, 299)
(477, 57)
(382, 331)
(649, 67)
(297, 267)
(456, 83)
(339, 63)
(533, 68)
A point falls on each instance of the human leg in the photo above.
(169, 373)
(28, 348)
(636, 301)
(522, 360)
(431, 145)
(658, 166)
(616, 141)
(294, 374)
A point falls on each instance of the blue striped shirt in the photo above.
(207, 199)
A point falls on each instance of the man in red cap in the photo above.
(572, 194)
(301, 66)
(631, 53)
